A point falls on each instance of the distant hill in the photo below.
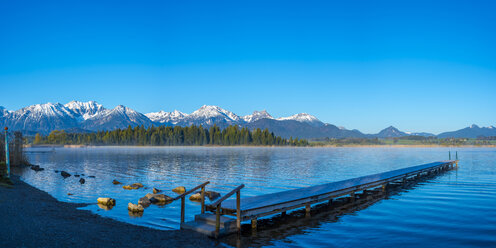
(293, 128)
(390, 132)
(473, 131)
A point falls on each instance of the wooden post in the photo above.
(7, 155)
(238, 210)
(203, 200)
(283, 213)
(384, 188)
(352, 197)
(217, 221)
(182, 209)
(449, 155)
(330, 202)
(254, 224)
(307, 210)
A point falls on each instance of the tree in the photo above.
(38, 139)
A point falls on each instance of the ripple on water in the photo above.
(455, 209)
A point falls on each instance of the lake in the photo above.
(455, 209)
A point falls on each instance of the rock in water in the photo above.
(82, 181)
(212, 195)
(65, 174)
(135, 208)
(144, 201)
(91, 176)
(155, 190)
(158, 198)
(133, 186)
(139, 185)
(115, 182)
(106, 201)
(195, 197)
(179, 190)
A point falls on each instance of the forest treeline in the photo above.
(171, 136)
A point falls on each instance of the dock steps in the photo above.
(205, 224)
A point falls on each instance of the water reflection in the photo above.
(458, 205)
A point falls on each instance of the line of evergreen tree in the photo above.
(171, 136)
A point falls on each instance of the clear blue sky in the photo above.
(418, 65)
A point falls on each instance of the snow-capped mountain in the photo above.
(166, 117)
(257, 115)
(303, 117)
(40, 117)
(85, 109)
(209, 115)
(119, 117)
(78, 116)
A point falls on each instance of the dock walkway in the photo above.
(251, 208)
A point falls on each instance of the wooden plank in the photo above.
(305, 194)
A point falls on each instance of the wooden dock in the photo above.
(219, 223)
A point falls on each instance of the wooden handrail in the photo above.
(218, 202)
(191, 190)
(183, 195)
(217, 206)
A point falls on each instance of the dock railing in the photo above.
(218, 205)
(182, 196)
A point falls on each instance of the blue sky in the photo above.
(417, 65)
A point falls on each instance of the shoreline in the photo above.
(32, 218)
(212, 146)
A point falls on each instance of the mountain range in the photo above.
(77, 116)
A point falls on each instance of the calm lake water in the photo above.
(455, 209)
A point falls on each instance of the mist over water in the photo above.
(453, 209)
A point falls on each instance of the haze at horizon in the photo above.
(418, 66)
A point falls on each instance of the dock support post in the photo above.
(283, 213)
(182, 209)
(217, 221)
(330, 202)
(352, 197)
(254, 224)
(203, 200)
(307, 210)
(238, 211)
(383, 188)
(449, 154)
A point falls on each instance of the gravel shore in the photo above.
(30, 217)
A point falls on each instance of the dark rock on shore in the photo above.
(65, 174)
(36, 168)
